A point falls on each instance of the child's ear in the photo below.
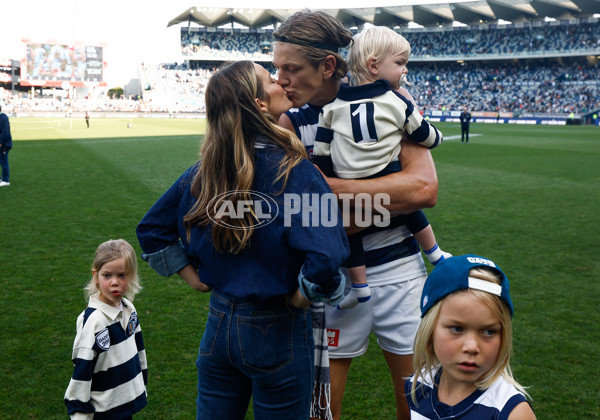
(264, 107)
(372, 65)
(95, 277)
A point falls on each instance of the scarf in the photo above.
(320, 407)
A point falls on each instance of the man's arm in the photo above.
(414, 188)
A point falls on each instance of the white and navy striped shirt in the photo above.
(392, 254)
(110, 374)
(493, 403)
(359, 133)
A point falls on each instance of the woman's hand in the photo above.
(201, 287)
(191, 277)
(299, 301)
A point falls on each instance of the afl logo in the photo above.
(230, 206)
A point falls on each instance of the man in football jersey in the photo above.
(310, 69)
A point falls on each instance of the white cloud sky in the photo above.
(132, 30)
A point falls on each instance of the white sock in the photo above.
(436, 255)
(358, 293)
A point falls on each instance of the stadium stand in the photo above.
(198, 43)
(510, 41)
(175, 88)
(506, 87)
(537, 71)
(553, 75)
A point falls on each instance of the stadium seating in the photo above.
(519, 69)
(506, 86)
(506, 40)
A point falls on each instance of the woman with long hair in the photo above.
(251, 221)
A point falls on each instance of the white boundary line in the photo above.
(458, 137)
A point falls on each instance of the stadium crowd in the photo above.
(234, 45)
(25, 103)
(504, 39)
(509, 86)
(506, 86)
(177, 87)
(544, 85)
(442, 42)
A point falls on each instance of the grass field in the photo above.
(526, 196)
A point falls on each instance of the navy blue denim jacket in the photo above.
(282, 255)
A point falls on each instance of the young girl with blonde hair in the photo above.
(110, 375)
(463, 345)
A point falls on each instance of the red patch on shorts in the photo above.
(333, 337)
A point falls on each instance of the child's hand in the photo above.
(445, 255)
(435, 255)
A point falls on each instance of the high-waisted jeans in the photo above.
(262, 350)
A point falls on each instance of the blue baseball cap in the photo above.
(452, 275)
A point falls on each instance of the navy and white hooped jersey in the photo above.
(359, 132)
(305, 121)
(110, 368)
(392, 254)
(493, 403)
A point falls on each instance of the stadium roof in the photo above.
(467, 12)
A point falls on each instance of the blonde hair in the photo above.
(234, 120)
(425, 359)
(113, 250)
(376, 42)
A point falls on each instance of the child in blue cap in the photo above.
(463, 344)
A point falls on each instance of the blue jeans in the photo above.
(4, 163)
(262, 350)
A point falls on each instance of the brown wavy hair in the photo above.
(227, 154)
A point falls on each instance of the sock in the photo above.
(435, 255)
(358, 293)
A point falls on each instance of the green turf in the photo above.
(526, 196)
(61, 128)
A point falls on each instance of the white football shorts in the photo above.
(392, 314)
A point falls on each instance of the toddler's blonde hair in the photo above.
(376, 42)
